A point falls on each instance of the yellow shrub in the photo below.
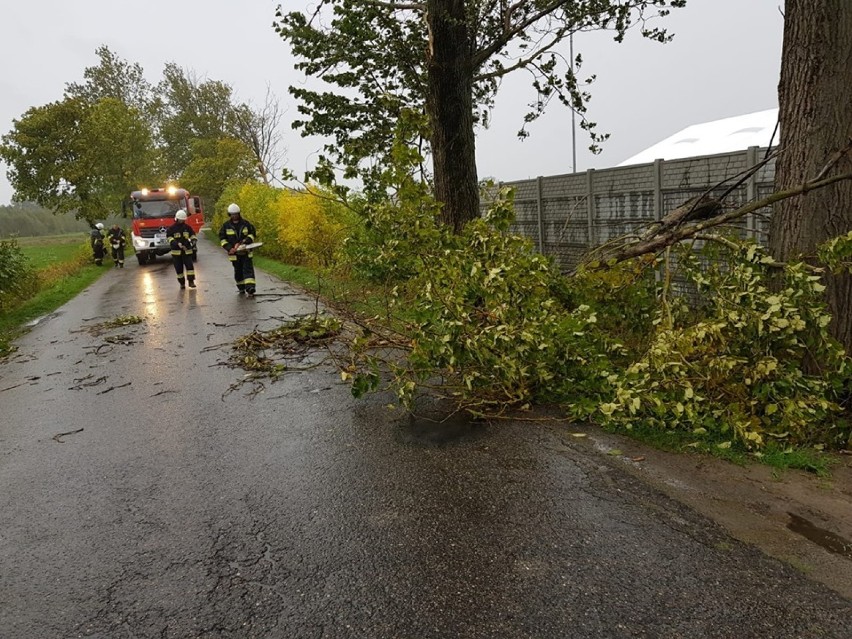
(258, 205)
(297, 227)
(306, 229)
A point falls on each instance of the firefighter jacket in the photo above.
(242, 231)
(116, 236)
(96, 237)
(180, 233)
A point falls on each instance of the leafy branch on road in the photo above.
(116, 322)
(267, 355)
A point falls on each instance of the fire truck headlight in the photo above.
(139, 242)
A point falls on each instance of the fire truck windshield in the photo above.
(147, 209)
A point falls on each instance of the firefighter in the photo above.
(180, 236)
(96, 238)
(235, 235)
(117, 240)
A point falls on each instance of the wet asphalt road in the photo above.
(181, 510)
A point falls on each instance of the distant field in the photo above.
(49, 250)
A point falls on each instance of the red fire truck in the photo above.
(153, 212)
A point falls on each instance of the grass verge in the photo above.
(58, 283)
(357, 296)
(808, 459)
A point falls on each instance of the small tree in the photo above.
(202, 128)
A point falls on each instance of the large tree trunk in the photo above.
(449, 104)
(815, 100)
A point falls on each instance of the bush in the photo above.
(313, 227)
(17, 277)
(297, 227)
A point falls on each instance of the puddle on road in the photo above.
(820, 536)
(39, 320)
(436, 432)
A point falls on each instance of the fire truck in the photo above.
(152, 212)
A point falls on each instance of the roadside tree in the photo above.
(202, 127)
(445, 58)
(187, 111)
(113, 78)
(214, 163)
(72, 156)
(816, 126)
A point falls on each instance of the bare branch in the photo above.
(703, 212)
(510, 32)
(395, 6)
(257, 128)
(523, 62)
(656, 243)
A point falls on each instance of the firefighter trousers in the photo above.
(244, 273)
(98, 251)
(118, 256)
(185, 269)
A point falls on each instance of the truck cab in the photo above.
(152, 212)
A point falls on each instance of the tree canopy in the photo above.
(444, 58)
(62, 155)
(115, 131)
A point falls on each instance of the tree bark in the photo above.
(815, 102)
(449, 105)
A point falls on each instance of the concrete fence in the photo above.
(566, 215)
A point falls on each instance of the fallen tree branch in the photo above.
(736, 247)
(657, 241)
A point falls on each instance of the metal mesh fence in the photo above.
(567, 215)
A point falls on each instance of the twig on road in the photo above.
(70, 432)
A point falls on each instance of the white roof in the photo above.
(719, 136)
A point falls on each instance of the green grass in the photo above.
(299, 275)
(365, 298)
(52, 240)
(48, 251)
(807, 459)
(64, 270)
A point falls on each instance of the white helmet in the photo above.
(180, 216)
(233, 208)
(99, 226)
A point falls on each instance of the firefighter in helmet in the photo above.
(235, 236)
(180, 236)
(96, 238)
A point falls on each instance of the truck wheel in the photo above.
(142, 258)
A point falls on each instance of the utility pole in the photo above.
(573, 113)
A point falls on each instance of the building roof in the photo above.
(719, 136)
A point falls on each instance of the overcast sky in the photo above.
(724, 61)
